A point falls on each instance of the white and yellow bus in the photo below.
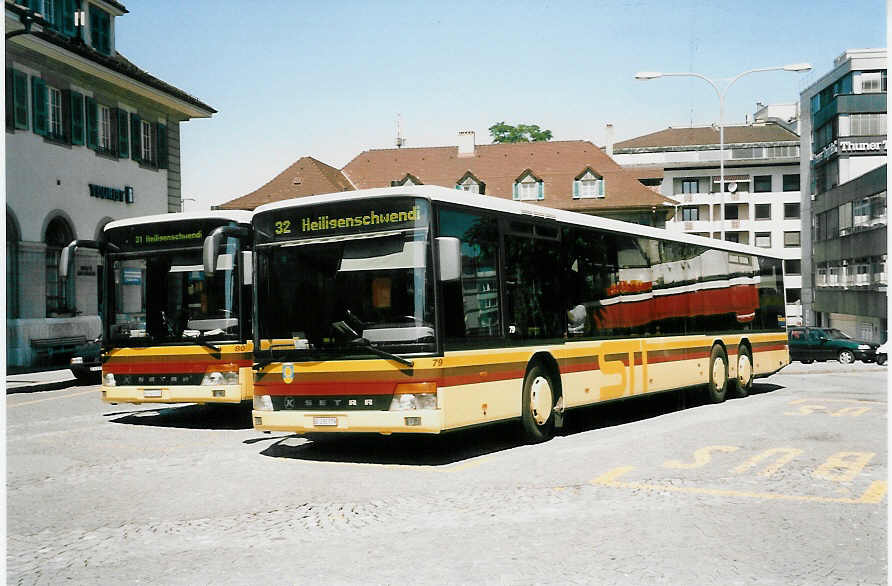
(424, 309)
(171, 333)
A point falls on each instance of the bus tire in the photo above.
(744, 382)
(718, 375)
(537, 408)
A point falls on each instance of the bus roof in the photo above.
(240, 216)
(489, 203)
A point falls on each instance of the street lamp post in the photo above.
(645, 75)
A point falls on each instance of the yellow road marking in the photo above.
(861, 401)
(51, 398)
(873, 495)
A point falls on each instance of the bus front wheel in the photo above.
(538, 405)
(718, 375)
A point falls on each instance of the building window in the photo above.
(588, 185)
(791, 182)
(732, 212)
(471, 184)
(867, 124)
(690, 214)
(148, 146)
(408, 180)
(791, 211)
(100, 30)
(55, 112)
(794, 295)
(872, 82)
(763, 239)
(793, 266)
(845, 219)
(732, 236)
(761, 183)
(528, 187)
(690, 186)
(763, 211)
(105, 129)
(791, 239)
(58, 235)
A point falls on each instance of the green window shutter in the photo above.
(541, 190)
(161, 140)
(92, 115)
(135, 137)
(123, 135)
(77, 118)
(515, 195)
(10, 100)
(20, 99)
(66, 15)
(575, 189)
(39, 105)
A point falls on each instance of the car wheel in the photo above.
(806, 361)
(538, 405)
(846, 356)
(881, 359)
(718, 375)
(744, 381)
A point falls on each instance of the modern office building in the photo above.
(761, 203)
(90, 138)
(571, 175)
(844, 196)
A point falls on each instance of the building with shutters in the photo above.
(90, 138)
(571, 175)
(761, 203)
(844, 157)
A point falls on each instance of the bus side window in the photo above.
(471, 305)
(589, 274)
(533, 289)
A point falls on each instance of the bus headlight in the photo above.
(220, 378)
(109, 379)
(263, 403)
(411, 396)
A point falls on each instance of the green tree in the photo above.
(502, 133)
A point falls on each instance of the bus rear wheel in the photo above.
(718, 375)
(538, 405)
(744, 371)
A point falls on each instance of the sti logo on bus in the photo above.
(288, 373)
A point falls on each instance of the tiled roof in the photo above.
(305, 177)
(116, 62)
(707, 135)
(498, 166)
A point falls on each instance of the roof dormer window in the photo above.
(471, 184)
(588, 185)
(406, 181)
(528, 187)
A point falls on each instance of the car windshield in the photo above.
(835, 334)
(165, 297)
(348, 296)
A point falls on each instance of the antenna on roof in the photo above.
(400, 141)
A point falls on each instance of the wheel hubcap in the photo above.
(541, 401)
(718, 373)
(744, 370)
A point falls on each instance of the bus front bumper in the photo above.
(173, 394)
(385, 422)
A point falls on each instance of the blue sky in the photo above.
(327, 80)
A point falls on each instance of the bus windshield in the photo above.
(348, 295)
(165, 297)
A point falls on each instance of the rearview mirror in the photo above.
(449, 256)
(212, 244)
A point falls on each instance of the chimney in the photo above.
(466, 143)
(608, 147)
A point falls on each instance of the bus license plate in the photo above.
(325, 421)
(152, 394)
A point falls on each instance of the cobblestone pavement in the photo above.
(786, 486)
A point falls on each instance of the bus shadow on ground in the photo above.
(452, 447)
(188, 417)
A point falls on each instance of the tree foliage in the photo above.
(502, 133)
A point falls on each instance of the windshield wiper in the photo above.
(201, 341)
(343, 327)
(269, 358)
